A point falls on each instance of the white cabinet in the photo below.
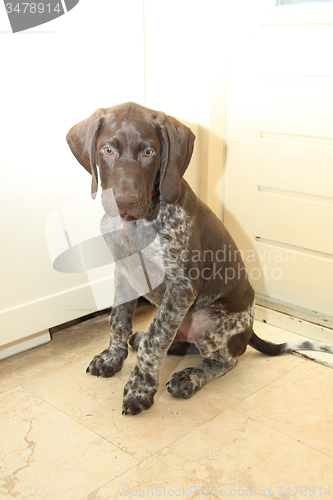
(279, 176)
(53, 77)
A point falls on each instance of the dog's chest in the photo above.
(174, 230)
(160, 246)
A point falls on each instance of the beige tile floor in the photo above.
(264, 430)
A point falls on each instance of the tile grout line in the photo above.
(139, 461)
(266, 425)
(218, 415)
(158, 451)
(142, 460)
(283, 434)
(83, 425)
(272, 381)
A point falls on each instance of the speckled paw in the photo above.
(183, 384)
(138, 395)
(106, 364)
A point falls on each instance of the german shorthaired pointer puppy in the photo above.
(205, 301)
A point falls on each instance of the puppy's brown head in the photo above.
(134, 148)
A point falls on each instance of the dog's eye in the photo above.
(109, 151)
(148, 153)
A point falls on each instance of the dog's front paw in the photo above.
(107, 363)
(184, 384)
(139, 392)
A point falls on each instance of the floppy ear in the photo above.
(177, 148)
(82, 141)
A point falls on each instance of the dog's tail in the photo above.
(277, 349)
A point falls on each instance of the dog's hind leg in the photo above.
(187, 382)
(216, 363)
(177, 348)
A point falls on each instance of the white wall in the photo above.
(166, 55)
(52, 77)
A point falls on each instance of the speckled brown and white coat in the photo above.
(205, 305)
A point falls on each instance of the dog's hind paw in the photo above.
(184, 384)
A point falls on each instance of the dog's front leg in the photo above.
(110, 361)
(140, 390)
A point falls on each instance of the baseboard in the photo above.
(299, 329)
(14, 348)
(294, 311)
(23, 321)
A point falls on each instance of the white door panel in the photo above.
(279, 169)
(297, 107)
(292, 221)
(283, 152)
(290, 276)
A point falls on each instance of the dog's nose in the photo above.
(127, 200)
